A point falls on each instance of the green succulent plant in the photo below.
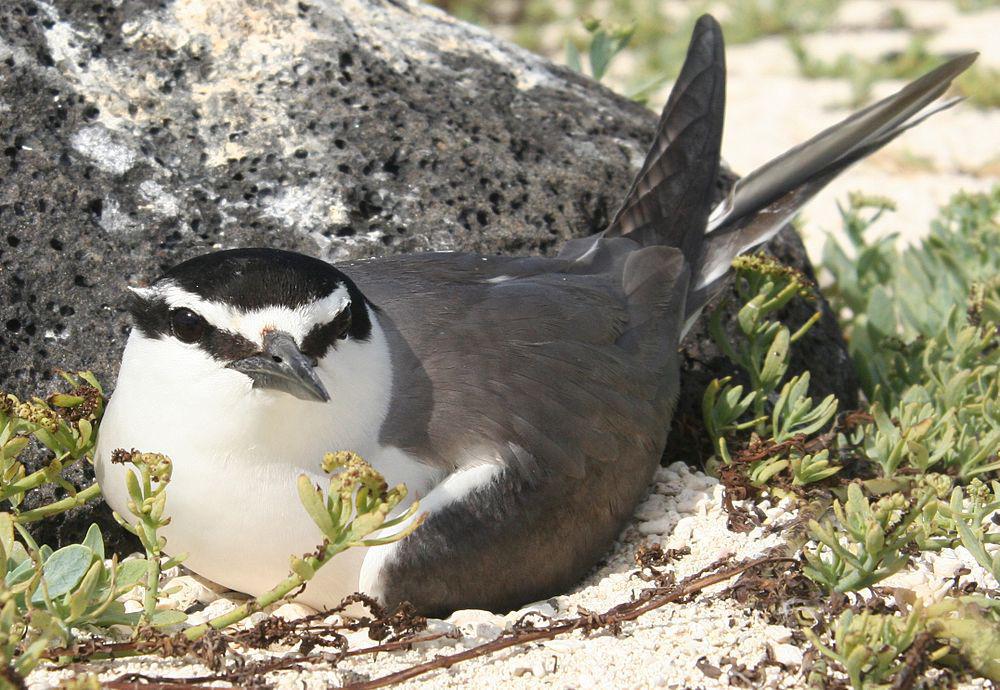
(761, 347)
(923, 328)
(47, 597)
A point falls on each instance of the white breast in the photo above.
(238, 452)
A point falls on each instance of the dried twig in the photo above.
(401, 628)
(913, 663)
(648, 600)
(138, 682)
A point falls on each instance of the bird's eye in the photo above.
(187, 326)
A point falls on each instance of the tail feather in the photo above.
(670, 199)
(863, 127)
(732, 235)
(763, 201)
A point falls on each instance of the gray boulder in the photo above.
(138, 133)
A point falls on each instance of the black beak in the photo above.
(283, 367)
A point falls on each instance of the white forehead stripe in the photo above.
(145, 293)
(252, 323)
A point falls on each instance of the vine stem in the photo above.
(619, 614)
(25, 484)
(81, 497)
(279, 592)
(152, 585)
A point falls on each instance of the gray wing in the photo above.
(525, 361)
(562, 370)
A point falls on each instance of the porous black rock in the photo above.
(138, 133)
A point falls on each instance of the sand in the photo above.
(708, 642)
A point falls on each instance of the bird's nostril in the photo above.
(276, 359)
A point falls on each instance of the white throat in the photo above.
(174, 397)
(237, 452)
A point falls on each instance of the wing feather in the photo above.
(534, 360)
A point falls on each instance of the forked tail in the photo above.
(670, 201)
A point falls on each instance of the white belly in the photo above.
(237, 455)
(239, 522)
(239, 526)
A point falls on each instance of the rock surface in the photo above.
(136, 134)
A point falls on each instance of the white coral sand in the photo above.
(683, 510)
(705, 643)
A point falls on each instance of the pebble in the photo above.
(684, 529)
(334, 619)
(535, 667)
(667, 476)
(687, 501)
(216, 608)
(479, 625)
(253, 619)
(184, 592)
(946, 567)
(773, 514)
(652, 508)
(680, 469)
(543, 609)
(563, 645)
(293, 611)
(786, 654)
(451, 634)
(357, 639)
(777, 633)
(661, 525)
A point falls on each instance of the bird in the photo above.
(525, 401)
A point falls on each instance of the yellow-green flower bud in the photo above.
(302, 568)
(874, 540)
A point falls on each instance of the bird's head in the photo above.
(268, 316)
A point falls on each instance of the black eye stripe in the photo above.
(221, 344)
(152, 319)
(322, 337)
(150, 316)
(227, 346)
